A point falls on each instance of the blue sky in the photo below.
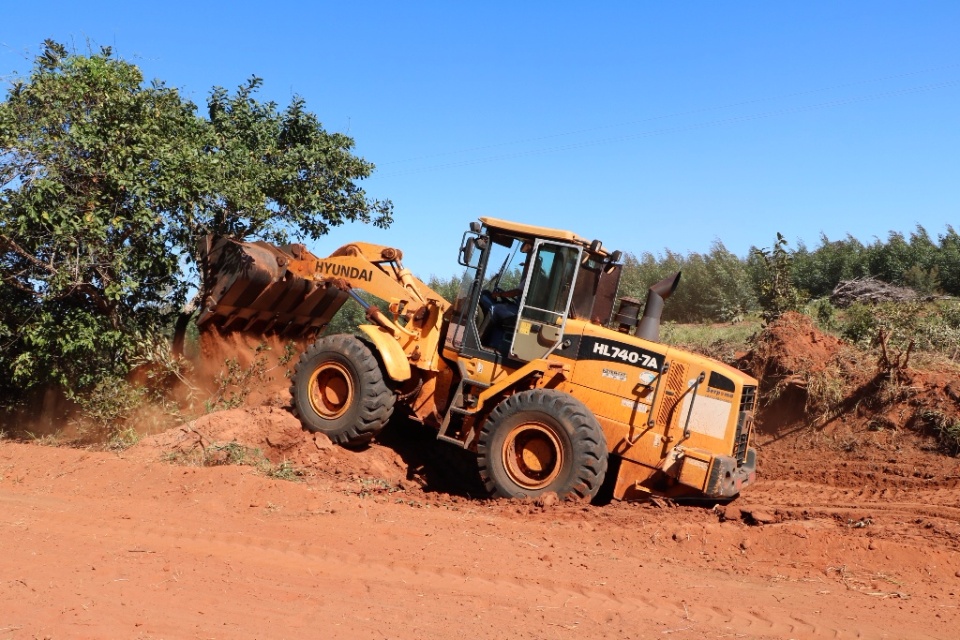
(646, 125)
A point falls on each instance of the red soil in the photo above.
(852, 531)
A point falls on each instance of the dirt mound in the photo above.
(802, 372)
(241, 385)
(272, 435)
(843, 417)
(792, 346)
(809, 378)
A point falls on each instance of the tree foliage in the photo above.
(86, 174)
(917, 261)
(714, 286)
(720, 286)
(107, 186)
(817, 272)
(773, 279)
(268, 173)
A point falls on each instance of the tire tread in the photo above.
(376, 400)
(589, 444)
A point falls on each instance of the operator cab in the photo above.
(522, 284)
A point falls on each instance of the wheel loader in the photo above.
(529, 367)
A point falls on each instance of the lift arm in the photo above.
(261, 288)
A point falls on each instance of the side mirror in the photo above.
(468, 248)
(466, 252)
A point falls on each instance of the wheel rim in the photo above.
(331, 390)
(532, 455)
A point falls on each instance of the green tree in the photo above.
(714, 286)
(107, 186)
(948, 261)
(268, 174)
(819, 271)
(914, 263)
(640, 272)
(773, 279)
(448, 287)
(85, 169)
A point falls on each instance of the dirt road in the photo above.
(103, 545)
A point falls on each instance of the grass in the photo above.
(124, 439)
(718, 341)
(234, 453)
(372, 486)
(825, 394)
(932, 327)
(46, 440)
(285, 471)
(945, 428)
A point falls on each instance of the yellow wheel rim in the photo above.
(331, 390)
(532, 455)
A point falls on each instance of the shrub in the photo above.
(773, 279)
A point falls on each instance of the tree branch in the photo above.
(12, 281)
(7, 243)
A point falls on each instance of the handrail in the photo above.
(696, 388)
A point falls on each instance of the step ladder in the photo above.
(451, 429)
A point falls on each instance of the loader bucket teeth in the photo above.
(251, 289)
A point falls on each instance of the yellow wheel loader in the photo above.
(529, 367)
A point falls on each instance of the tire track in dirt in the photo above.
(925, 515)
(941, 503)
(804, 466)
(474, 590)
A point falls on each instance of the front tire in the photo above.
(539, 441)
(338, 389)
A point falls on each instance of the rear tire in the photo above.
(338, 389)
(539, 441)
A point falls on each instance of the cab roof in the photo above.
(547, 233)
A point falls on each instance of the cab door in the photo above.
(548, 288)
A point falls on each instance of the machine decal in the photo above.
(613, 374)
(597, 349)
(723, 395)
(633, 404)
(343, 271)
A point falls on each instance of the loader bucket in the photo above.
(251, 288)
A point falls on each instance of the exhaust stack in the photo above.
(649, 328)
